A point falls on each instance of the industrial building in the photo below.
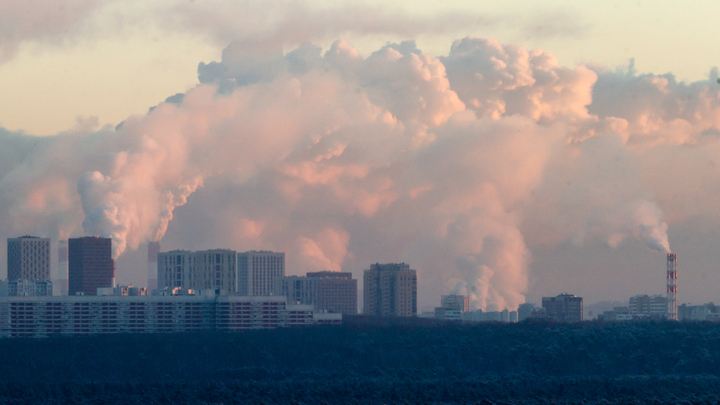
(81, 315)
(90, 265)
(257, 271)
(28, 258)
(390, 290)
(564, 308)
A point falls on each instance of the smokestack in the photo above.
(60, 284)
(672, 287)
(153, 250)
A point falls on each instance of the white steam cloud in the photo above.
(458, 165)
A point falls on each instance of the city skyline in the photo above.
(506, 152)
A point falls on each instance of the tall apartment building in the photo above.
(336, 292)
(297, 290)
(153, 251)
(90, 265)
(564, 307)
(327, 291)
(206, 269)
(28, 258)
(525, 310)
(216, 270)
(390, 290)
(257, 271)
(60, 282)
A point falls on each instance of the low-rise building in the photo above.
(79, 315)
(26, 288)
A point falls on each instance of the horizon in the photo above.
(504, 152)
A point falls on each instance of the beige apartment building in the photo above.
(390, 290)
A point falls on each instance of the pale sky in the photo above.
(121, 59)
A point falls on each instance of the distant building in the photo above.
(390, 290)
(297, 290)
(26, 288)
(153, 252)
(705, 312)
(452, 306)
(524, 311)
(206, 269)
(326, 291)
(257, 271)
(90, 265)
(336, 292)
(60, 283)
(616, 315)
(645, 306)
(564, 307)
(28, 258)
(123, 291)
(216, 269)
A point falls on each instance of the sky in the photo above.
(507, 150)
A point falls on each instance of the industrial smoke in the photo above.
(459, 165)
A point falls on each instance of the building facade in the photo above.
(390, 290)
(28, 258)
(297, 290)
(648, 306)
(207, 269)
(326, 291)
(81, 315)
(564, 308)
(26, 288)
(257, 271)
(90, 265)
(452, 306)
(336, 292)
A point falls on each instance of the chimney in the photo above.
(672, 287)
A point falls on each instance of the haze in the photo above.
(507, 152)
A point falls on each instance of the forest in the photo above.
(367, 361)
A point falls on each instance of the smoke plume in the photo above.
(459, 165)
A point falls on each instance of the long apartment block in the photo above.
(82, 315)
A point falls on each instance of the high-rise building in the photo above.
(216, 270)
(257, 271)
(60, 283)
(390, 290)
(206, 269)
(336, 292)
(153, 250)
(28, 258)
(176, 269)
(90, 265)
(297, 290)
(326, 291)
(525, 310)
(564, 307)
